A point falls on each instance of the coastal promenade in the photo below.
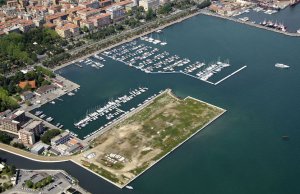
(34, 157)
(208, 13)
(126, 40)
(76, 158)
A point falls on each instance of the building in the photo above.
(34, 126)
(61, 138)
(61, 16)
(149, 4)
(29, 131)
(26, 25)
(105, 3)
(73, 149)
(88, 12)
(27, 95)
(10, 125)
(88, 24)
(26, 137)
(116, 12)
(12, 3)
(101, 20)
(45, 90)
(91, 4)
(28, 84)
(68, 30)
(39, 148)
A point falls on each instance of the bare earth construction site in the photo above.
(135, 144)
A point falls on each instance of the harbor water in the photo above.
(241, 152)
(290, 17)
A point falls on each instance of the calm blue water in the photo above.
(243, 151)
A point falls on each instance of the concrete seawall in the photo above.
(127, 40)
(131, 113)
(249, 24)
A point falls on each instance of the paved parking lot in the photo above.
(62, 182)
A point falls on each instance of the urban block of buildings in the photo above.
(67, 17)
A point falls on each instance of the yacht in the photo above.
(129, 187)
(282, 66)
(49, 119)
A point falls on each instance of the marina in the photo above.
(288, 17)
(109, 110)
(262, 105)
(95, 61)
(154, 60)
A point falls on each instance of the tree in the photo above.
(165, 9)
(4, 138)
(49, 135)
(29, 183)
(85, 29)
(150, 14)
(18, 145)
(49, 179)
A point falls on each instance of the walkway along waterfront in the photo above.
(54, 159)
(208, 13)
(125, 40)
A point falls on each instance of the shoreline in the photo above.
(129, 114)
(187, 139)
(208, 13)
(51, 159)
(127, 40)
(200, 12)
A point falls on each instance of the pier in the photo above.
(228, 76)
(122, 118)
(153, 60)
(101, 145)
(208, 13)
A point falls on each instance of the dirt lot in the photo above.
(135, 144)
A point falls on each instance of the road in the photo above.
(34, 157)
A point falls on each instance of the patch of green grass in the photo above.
(140, 169)
(101, 171)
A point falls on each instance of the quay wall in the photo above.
(204, 12)
(127, 40)
(33, 157)
(192, 135)
(100, 132)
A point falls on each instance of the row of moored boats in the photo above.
(120, 116)
(151, 60)
(110, 110)
(41, 115)
(93, 63)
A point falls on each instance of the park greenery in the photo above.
(18, 50)
(7, 102)
(7, 172)
(4, 138)
(46, 181)
(2, 2)
(9, 85)
(48, 135)
(101, 171)
(45, 71)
